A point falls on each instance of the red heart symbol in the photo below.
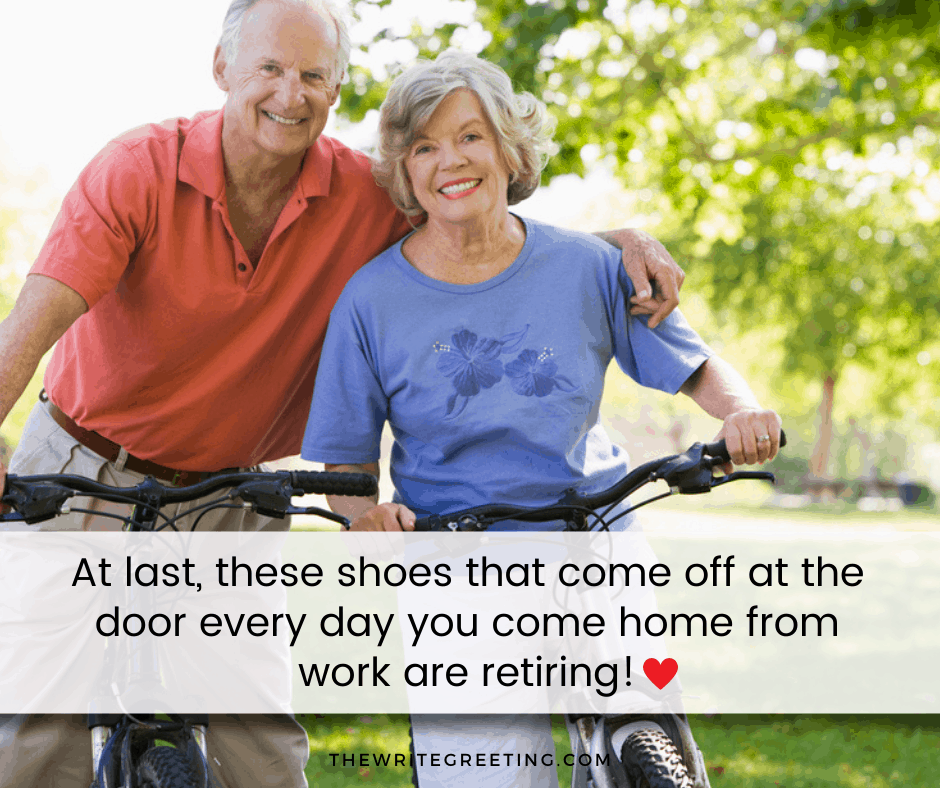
(660, 673)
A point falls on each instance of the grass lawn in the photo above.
(839, 513)
(741, 751)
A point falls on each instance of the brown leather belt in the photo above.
(112, 452)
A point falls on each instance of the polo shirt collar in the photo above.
(201, 164)
(317, 169)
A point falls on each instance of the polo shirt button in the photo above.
(242, 267)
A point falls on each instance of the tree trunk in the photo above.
(819, 463)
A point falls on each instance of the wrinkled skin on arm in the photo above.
(721, 392)
(44, 310)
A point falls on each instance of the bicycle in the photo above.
(647, 753)
(126, 749)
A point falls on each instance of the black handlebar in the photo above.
(687, 473)
(332, 483)
(38, 498)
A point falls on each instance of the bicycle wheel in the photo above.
(652, 760)
(164, 767)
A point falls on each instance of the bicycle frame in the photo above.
(116, 737)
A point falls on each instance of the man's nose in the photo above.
(291, 90)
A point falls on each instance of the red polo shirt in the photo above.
(188, 356)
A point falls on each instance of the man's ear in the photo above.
(219, 65)
(336, 89)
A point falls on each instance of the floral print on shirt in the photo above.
(472, 363)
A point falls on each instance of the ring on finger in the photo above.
(763, 438)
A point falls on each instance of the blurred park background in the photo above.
(786, 152)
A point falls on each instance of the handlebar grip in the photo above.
(719, 451)
(333, 483)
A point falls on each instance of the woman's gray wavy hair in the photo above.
(336, 10)
(523, 126)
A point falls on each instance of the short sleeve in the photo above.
(349, 407)
(662, 358)
(102, 219)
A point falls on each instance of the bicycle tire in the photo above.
(652, 760)
(164, 767)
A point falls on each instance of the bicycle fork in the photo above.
(99, 738)
(110, 750)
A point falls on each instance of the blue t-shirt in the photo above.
(492, 390)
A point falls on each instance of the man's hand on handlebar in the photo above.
(752, 437)
(385, 517)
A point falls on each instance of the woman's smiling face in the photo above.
(455, 165)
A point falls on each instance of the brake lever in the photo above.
(271, 499)
(38, 502)
(689, 473)
(324, 513)
(766, 476)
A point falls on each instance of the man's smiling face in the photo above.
(281, 81)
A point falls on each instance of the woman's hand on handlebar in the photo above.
(385, 517)
(752, 436)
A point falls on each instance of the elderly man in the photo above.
(190, 276)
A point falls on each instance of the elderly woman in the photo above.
(483, 339)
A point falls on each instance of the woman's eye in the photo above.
(471, 137)
(422, 149)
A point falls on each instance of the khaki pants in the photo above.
(55, 752)
(39, 751)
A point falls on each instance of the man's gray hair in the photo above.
(336, 10)
(523, 125)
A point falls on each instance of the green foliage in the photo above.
(841, 23)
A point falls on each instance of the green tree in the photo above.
(787, 147)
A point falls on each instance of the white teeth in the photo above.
(285, 121)
(460, 187)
